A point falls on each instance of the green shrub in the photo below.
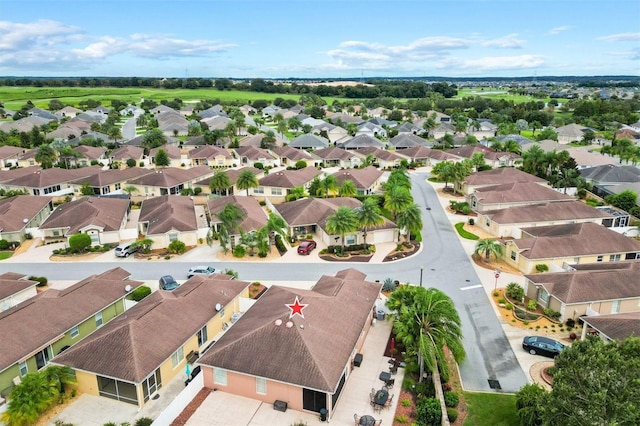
(389, 285)
(542, 267)
(553, 314)
(502, 300)
(197, 190)
(472, 221)
(532, 305)
(425, 389)
(429, 412)
(79, 242)
(42, 281)
(408, 383)
(177, 247)
(140, 293)
(405, 402)
(239, 251)
(280, 244)
(515, 291)
(4, 244)
(451, 399)
(508, 306)
(143, 421)
(452, 414)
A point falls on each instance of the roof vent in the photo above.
(278, 322)
(218, 307)
(289, 324)
(301, 325)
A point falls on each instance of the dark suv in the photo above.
(168, 283)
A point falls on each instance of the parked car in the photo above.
(124, 250)
(168, 283)
(200, 270)
(538, 345)
(306, 247)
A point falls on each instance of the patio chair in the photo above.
(389, 402)
(356, 419)
(378, 422)
(390, 383)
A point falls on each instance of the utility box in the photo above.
(280, 405)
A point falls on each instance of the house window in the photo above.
(75, 332)
(220, 376)
(599, 259)
(576, 260)
(43, 357)
(544, 296)
(261, 385)
(95, 238)
(177, 357)
(276, 191)
(258, 190)
(513, 255)
(23, 369)
(615, 307)
(350, 239)
(98, 318)
(118, 186)
(173, 237)
(614, 258)
(488, 223)
(202, 336)
(222, 312)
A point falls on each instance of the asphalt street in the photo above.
(442, 263)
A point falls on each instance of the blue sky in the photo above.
(319, 39)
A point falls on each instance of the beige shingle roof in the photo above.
(12, 283)
(43, 178)
(546, 212)
(169, 177)
(616, 326)
(14, 210)
(105, 213)
(314, 350)
(254, 219)
(362, 178)
(517, 192)
(290, 178)
(168, 212)
(501, 175)
(136, 343)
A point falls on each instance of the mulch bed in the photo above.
(188, 411)
(350, 258)
(395, 255)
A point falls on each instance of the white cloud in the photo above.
(18, 37)
(558, 30)
(510, 41)
(493, 63)
(621, 37)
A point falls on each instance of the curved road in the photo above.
(446, 267)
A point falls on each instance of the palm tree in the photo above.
(220, 181)
(46, 156)
(130, 189)
(342, 222)
(229, 219)
(348, 189)
(327, 185)
(398, 178)
(426, 321)
(368, 216)
(397, 199)
(276, 225)
(478, 160)
(59, 377)
(410, 219)
(295, 193)
(28, 400)
(461, 170)
(489, 246)
(246, 180)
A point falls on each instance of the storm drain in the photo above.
(494, 384)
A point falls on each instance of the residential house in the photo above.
(256, 140)
(492, 157)
(122, 155)
(217, 122)
(441, 130)
(25, 124)
(601, 289)
(55, 320)
(508, 222)
(133, 363)
(409, 129)
(42, 113)
(254, 216)
(9, 156)
(110, 181)
(482, 129)
(613, 326)
(269, 112)
(341, 117)
(20, 214)
(90, 117)
(173, 152)
(586, 159)
(496, 177)
(560, 246)
(172, 123)
(611, 179)
(309, 216)
(102, 218)
(426, 156)
(309, 141)
(54, 181)
(68, 112)
(28, 159)
(67, 133)
(406, 140)
(250, 155)
(438, 117)
(169, 218)
(210, 155)
(14, 289)
(101, 110)
(383, 158)
(87, 155)
(367, 180)
(214, 111)
(360, 141)
(329, 131)
(372, 130)
(161, 109)
(254, 357)
(233, 178)
(336, 157)
(276, 186)
(132, 111)
(509, 195)
(169, 180)
(517, 138)
(290, 156)
(571, 133)
(547, 145)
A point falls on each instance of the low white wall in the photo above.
(180, 402)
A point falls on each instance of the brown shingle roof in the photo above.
(111, 176)
(616, 326)
(517, 192)
(381, 154)
(105, 213)
(126, 152)
(362, 178)
(171, 150)
(208, 151)
(501, 175)
(12, 283)
(591, 286)
(314, 350)
(576, 239)
(333, 153)
(129, 349)
(546, 212)
(42, 178)
(292, 154)
(171, 176)
(311, 211)
(290, 178)
(253, 153)
(254, 216)
(14, 210)
(168, 212)
(48, 315)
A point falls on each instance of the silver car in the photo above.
(200, 270)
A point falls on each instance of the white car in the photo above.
(200, 270)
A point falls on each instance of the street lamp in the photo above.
(421, 269)
(497, 272)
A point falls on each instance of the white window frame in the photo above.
(24, 368)
(615, 307)
(220, 376)
(99, 319)
(74, 332)
(177, 357)
(261, 385)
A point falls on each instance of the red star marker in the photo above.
(296, 308)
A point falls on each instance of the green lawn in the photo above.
(464, 234)
(5, 254)
(491, 409)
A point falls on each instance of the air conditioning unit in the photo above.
(225, 326)
(235, 317)
(16, 380)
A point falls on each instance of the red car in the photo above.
(306, 247)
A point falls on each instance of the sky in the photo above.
(319, 38)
